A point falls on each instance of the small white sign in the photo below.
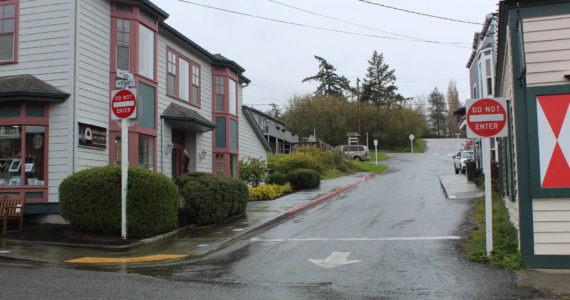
(375, 143)
(124, 83)
(411, 137)
(124, 74)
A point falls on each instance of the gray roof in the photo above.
(186, 118)
(29, 88)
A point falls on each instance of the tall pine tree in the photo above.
(452, 104)
(437, 112)
(379, 83)
(330, 83)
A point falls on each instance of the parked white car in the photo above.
(459, 161)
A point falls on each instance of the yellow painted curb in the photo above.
(109, 260)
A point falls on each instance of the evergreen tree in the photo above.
(378, 87)
(437, 112)
(330, 83)
(452, 104)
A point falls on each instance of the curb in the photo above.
(289, 213)
(443, 187)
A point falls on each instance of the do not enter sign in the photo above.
(124, 104)
(486, 118)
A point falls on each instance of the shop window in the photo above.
(233, 134)
(22, 166)
(232, 96)
(146, 52)
(35, 110)
(8, 31)
(220, 132)
(233, 165)
(220, 164)
(123, 44)
(117, 148)
(220, 91)
(146, 109)
(10, 111)
(146, 152)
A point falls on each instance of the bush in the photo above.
(90, 201)
(211, 199)
(252, 170)
(304, 178)
(268, 191)
(182, 180)
(276, 178)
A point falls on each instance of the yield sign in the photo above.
(335, 259)
(486, 118)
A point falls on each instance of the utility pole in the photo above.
(358, 102)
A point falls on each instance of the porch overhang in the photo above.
(184, 118)
(29, 88)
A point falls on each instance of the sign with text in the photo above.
(92, 136)
(486, 117)
(124, 104)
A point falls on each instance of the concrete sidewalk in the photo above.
(552, 281)
(190, 243)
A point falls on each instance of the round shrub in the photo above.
(212, 199)
(182, 180)
(276, 178)
(304, 178)
(90, 201)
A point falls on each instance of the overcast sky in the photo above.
(278, 56)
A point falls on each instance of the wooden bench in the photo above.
(12, 208)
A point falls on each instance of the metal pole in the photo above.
(124, 174)
(376, 150)
(412, 145)
(488, 196)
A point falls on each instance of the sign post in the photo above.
(376, 150)
(487, 118)
(412, 137)
(123, 107)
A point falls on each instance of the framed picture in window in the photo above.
(29, 167)
(15, 165)
(14, 181)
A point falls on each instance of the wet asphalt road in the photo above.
(381, 226)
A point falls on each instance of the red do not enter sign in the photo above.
(123, 104)
(486, 118)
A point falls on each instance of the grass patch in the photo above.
(360, 166)
(505, 252)
(419, 147)
(333, 173)
(381, 156)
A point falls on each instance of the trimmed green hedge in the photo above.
(211, 199)
(90, 201)
(276, 178)
(304, 178)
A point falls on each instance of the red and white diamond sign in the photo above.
(486, 118)
(554, 140)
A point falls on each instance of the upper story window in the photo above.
(123, 44)
(183, 78)
(8, 32)
(488, 77)
(226, 95)
(146, 52)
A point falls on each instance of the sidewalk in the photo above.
(190, 243)
(551, 281)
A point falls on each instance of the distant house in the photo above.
(273, 130)
(532, 73)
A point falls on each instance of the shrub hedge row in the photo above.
(268, 191)
(90, 201)
(211, 199)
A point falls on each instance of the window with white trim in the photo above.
(7, 31)
(123, 44)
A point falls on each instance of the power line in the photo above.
(308, 26)
(362, 26)
(419, 13)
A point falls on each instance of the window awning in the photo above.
(184, 118)
(29, 88)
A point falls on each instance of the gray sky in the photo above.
(278, 56)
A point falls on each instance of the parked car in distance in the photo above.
(359, 152)
(459, 161)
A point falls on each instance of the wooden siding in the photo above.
(551, 226)
(547, 49)
(92, 79)
(201, 141)
(507, 93)
(46, 41)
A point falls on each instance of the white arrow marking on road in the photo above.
(336, 259)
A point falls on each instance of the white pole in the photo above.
(376, 151)
(488, 196)
(124, 174)
(412, 145)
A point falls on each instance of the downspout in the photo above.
(75, 93)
